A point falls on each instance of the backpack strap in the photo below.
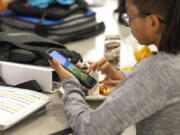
(4, 55)
(39, 26)
(20, 40)
(32, 85)
(33, 44)
(28, 38)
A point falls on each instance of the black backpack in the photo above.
(56, 11)
(26, 47)
(75, 22)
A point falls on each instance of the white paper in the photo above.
(16, 104)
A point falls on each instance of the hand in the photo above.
(105, 67)
(111, 82)
(62, 73)
(102, 65)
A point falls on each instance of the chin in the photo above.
(146, 43)
(143, 40)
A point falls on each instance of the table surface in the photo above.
(91, 49)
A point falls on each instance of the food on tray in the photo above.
(100, 88)
(104, 89)
(142, 53)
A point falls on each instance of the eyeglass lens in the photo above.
(126, 19)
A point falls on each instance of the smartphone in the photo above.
(84, 78)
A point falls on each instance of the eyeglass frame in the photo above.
(135, 16)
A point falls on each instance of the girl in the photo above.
(150, 95)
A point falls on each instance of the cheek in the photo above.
(140, 33)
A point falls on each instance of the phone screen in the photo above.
(83, 77)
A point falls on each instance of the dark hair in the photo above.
(170, 11)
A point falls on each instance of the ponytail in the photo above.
(170, 41)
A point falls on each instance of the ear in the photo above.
(154, 22)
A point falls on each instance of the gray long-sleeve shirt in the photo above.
(149, 97)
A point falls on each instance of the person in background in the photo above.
(4, 4)
(149, 96)
(121, 10)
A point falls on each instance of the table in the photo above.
(50, 121)
(91, 49)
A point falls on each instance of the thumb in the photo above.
(111, 82)
(56, 63)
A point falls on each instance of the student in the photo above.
(149, 97)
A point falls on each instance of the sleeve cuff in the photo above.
(71, 85)
(125, 72)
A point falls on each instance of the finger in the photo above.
(51, 64)
(57, 65)
(56, 62)
(96, 65)
(104, 67)
(90, 68)
(101, 62)
(111, 82)
(91, 62)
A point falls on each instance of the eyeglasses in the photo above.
(126, 18)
